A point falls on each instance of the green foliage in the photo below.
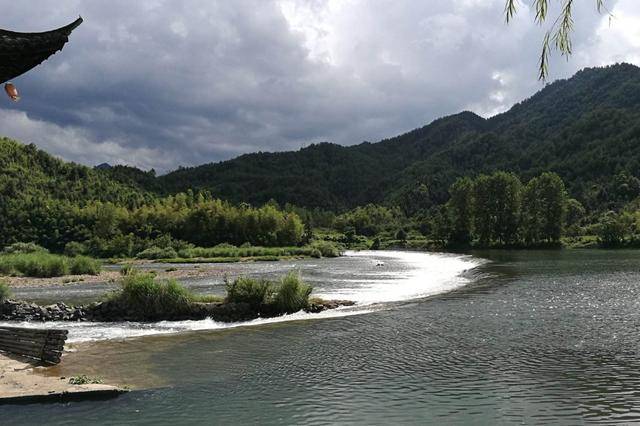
(74, 248)
(24, 248)
(326, 248)
(44, 265)
(401, 235)
(614, 228)
(543, 209)
(497, 199)
(83, 265)
(460, 210)
(5, 291)
(157, 253)
(291, 294)
(126, 269)
(248, 290)
(151, 298)
(558, 36)
(40, 265)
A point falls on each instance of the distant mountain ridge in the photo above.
(586, 129)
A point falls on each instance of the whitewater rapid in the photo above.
(370, 278)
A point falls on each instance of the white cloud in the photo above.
(160, 84)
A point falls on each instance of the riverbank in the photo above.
(112, 275)
(24, 380)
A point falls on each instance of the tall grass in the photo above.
(288, 295)
(5, 291)
(44, 265)
(143, 294)
(321, 248)
(291, 294)
(248, 290)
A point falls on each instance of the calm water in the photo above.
(527, 337)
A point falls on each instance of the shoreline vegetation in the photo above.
(142, 297)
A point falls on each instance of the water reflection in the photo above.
(537, 338)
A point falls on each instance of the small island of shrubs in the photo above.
(144, 298)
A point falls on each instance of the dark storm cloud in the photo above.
(165, 83)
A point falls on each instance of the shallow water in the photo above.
(528, 337)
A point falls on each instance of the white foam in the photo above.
(421, 275)
(403, 276)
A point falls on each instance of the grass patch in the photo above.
(149, 297)
(83, 265)
(207, 298)
(291, 294)
(5, 291)
(253, 291)
(145, 297)
(288, 295)
(45, 265)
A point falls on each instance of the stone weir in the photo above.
(112, 311)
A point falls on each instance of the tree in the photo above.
(558, 36)
(543, 209)
(460, 210)
(497, 207)
(613, 228)
(575, 213)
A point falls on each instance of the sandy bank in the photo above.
(107, 276)
(23, 380)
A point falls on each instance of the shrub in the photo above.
(316, 253)
(247, 290)
(326, 248)
(144, 295)
(81, 265)
(292, 294)
(24, 248)
(127, 269)
(5, 291)
(37, 264)
(154, 253)
(75, 248)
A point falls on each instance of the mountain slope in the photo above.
(585, 128)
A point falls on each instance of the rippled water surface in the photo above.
(525, 337)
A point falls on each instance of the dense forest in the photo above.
(586, 129)
(563, 163)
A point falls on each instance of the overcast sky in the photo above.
(159, 83)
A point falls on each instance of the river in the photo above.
(495, 337)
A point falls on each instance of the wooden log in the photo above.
(43, 344)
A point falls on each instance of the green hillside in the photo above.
(585, 128)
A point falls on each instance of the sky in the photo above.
(162, 84)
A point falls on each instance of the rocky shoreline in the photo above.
(111, 311)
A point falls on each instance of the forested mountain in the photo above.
(586, 129)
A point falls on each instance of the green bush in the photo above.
(248, 290)
(154, 253)
(5, 291)
(45, 265)
(143, 294)
(75, 248)
(24, 248)
(127, 269)
(38, 264)
(327, 249)
(81, 265)
(292, 294)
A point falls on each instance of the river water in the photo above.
(495, 337)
